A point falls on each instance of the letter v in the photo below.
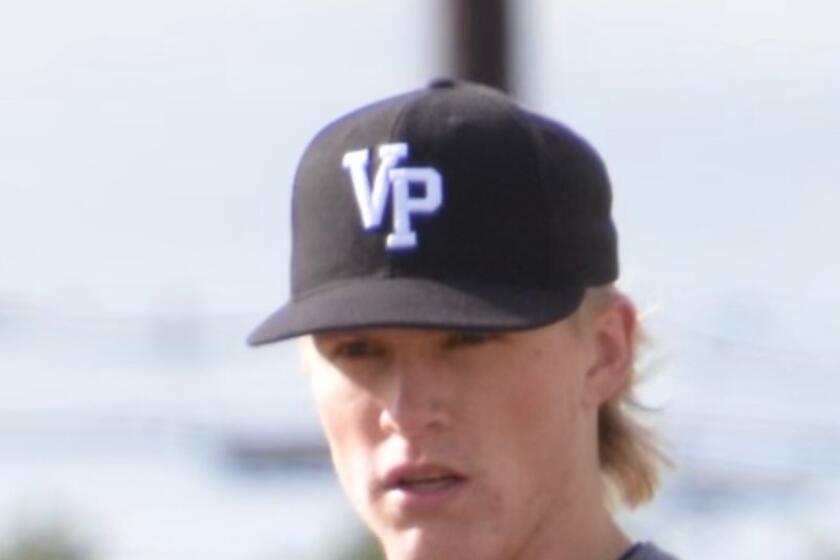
(372, 203)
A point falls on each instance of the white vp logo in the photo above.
(372, 201)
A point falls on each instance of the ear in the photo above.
(613, 333)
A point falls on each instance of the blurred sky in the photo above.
(147, 148)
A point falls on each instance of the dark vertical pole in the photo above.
(480, 36)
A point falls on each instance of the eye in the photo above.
(355, 349)
(469, 338)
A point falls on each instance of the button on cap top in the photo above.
(442, 83)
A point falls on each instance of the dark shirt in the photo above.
(645, 551)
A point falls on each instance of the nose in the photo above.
(416, 399)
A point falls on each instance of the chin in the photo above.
(426, 543)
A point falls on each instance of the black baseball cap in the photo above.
(449, 207)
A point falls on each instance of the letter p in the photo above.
(402, 236)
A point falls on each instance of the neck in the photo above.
(579, 527)
(579, 540)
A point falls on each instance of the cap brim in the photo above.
(417, 303)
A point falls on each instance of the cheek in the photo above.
(538, 419)
(542, 395)
(327, 391)
(345, 411)
(349, 420)
(542, 424)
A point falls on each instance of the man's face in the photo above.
(459, 445)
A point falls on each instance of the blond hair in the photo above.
(630, 453)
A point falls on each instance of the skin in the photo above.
(514, 414)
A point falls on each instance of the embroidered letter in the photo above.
(371, 201)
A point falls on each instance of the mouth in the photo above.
(423, 486)
(426, 484)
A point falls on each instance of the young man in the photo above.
(452, 269)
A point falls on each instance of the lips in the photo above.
(423, 479)
(415, 490)
(428, 484)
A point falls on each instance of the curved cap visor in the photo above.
(417, 303)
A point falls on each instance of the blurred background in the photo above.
(146, 156)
